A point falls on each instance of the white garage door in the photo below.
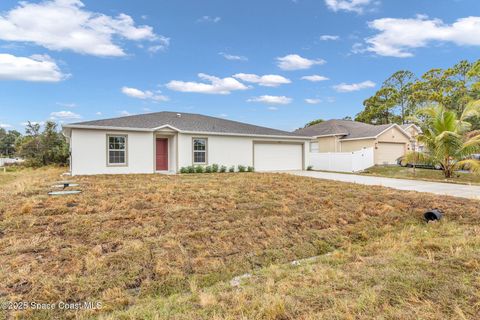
(277, 156)
(388, 153)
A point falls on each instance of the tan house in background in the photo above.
(389, 141)
(413, 130)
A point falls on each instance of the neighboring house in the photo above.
(413, 130)
(167, 141)
(389, 141)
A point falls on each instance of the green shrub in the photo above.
(208, 169)
(223, 169)
(250, 169)
(214, 167)
(231, 169)
(241, 168)
(199, 169)
(309, 168)
(183, 170)
(191, 169)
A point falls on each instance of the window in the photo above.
(117, 147)
(314, 147)
(199, 151)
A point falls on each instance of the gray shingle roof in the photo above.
(184, 122)
(346, 128)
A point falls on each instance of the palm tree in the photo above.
(448, 139)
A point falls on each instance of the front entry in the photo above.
(162, 154)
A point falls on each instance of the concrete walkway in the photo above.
(450, 189)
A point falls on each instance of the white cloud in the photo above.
(209, 19)
(268, 80)
(314, 78)
(331, 99)
(5, 125)
(39, 68)
(397, 37)
(159, 47)
(328, 37)
(271, 99)
(296, 62)
(33, 122)
(215, 86)
(66, 105)
(98, 113)
(357, 6)
(272, 108)
(64, 115)
(144, 95)
(65, 25)
(233, 57)
(344, 87)
(223, 115)
(313, 101)
(124, 113)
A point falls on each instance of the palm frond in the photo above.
(419, 157)
(471, 165)
(471, 110)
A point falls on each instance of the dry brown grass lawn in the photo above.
(151, 246)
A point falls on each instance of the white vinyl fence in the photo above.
(342, 161)
(4, 161)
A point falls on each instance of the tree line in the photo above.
(403, 94)
(38, 147)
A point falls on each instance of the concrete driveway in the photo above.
(450, 189)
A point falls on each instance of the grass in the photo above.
(421, 174)
(165, 247)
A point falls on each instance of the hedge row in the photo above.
(215, 168)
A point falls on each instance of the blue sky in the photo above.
(277, 63)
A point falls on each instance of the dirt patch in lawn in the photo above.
(129, 237)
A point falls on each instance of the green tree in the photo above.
(7, 142)
(43, 148)
(401, 83)
(314, 122)
(448, 138)
(380, 108)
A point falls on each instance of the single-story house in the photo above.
(388, 141)
(167, 141)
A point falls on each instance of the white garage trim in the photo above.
(292, 157)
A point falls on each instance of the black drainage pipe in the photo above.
(433, 215)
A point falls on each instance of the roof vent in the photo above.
(179, 115)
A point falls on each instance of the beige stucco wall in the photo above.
(355, 145)
(393, 135)
(413, 131)
(328, 144)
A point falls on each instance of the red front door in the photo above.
(162, 154)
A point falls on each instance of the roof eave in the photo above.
(74, 126)
(359, 138)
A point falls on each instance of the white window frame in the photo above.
(200, 151)
(125, 150)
